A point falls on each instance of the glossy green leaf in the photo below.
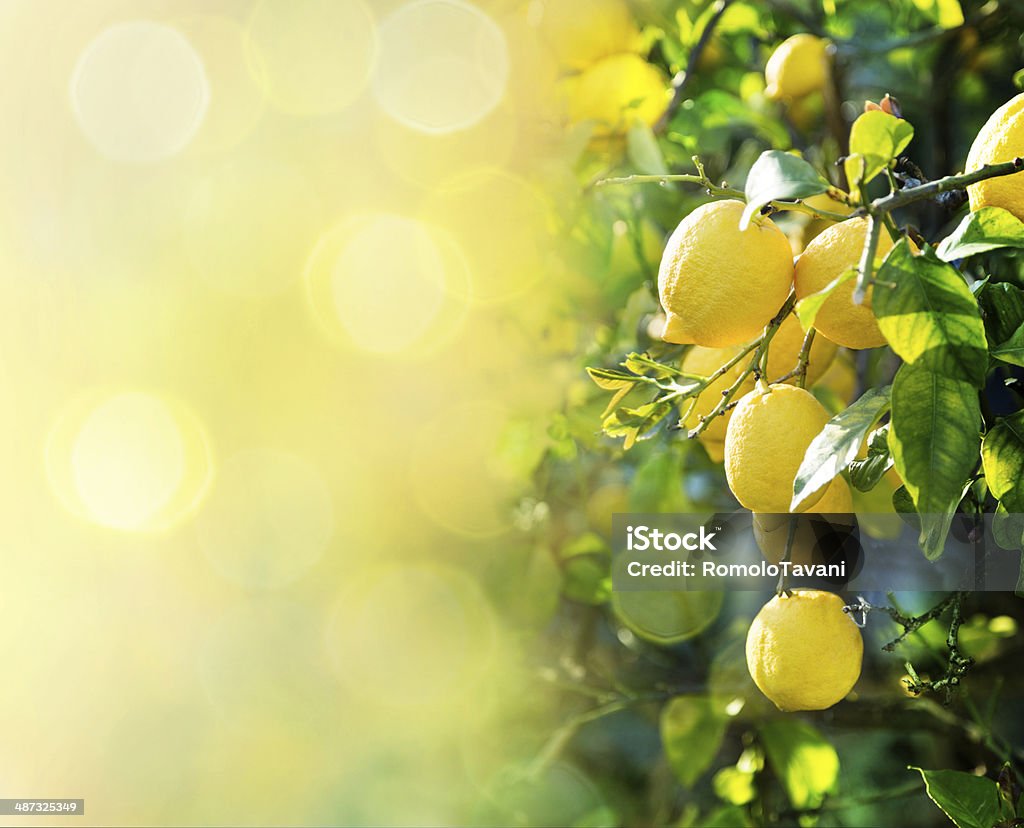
(692, 729)
(1002, 455)
(986, 229)
(929, 315)
(934, 439)
(969, 801)
(1012, 350)
(1002, 308)
(778, 175)
(804, 761)
(876, 138)
(836, 447)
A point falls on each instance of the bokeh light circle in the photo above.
(444, 65)
(237, 101)
(129, 460)
(269, 519)
(411, 636)
(386, 284)
(313, 57)
(139, 92)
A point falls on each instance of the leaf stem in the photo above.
(717, 191)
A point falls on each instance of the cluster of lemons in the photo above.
(607, 82)
(720, 287)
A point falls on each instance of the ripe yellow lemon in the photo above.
(797, 67)
(765, 444)
(837, 249)
(703, 362)
(817, 536)
(1001, 139)
(784, 352)
(581, 36)
(719, 285)
(615, 93)
(803, 651)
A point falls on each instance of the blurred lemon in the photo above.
(784, 352)
(765, 444)
(615, 93)
(797, 67)
(1000, 139)
(581, 35)
(803, 651)
(831, 254)
(704, 362)
(838, 385)
(720, 285)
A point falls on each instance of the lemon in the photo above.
(719, 285)
(803, 651)
(837, 249)
(580, 37)
(797, 67)
(1001, 139)
(765, 444)
(615, 93)
(703, 362)
(816, 535)
(784, 352)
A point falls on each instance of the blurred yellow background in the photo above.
(278, 297)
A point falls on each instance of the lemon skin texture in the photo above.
(1000, 139)
(580, 36)
(765, 444)
(797, 67)
(784, 352)
(615, 93)
(803, 651)
(835, 250)
(719, 285)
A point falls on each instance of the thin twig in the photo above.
(682, 79)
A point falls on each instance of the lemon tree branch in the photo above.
(755, 367)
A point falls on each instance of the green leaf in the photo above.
(692, 729)
(804, 761)
(930, 316)
(808, 307)
(1002, 456)
(876, 138)
(865, 474)
(1012, 350)
(643, 150)
(903, 504)
(947, 13)
(1002, 308)
(836, 447)
(777, 175)
(933, 436)
(734, 786)
(986, 229)
(1008, 529)
(970, 801)
(645, 366)
(611, 379)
